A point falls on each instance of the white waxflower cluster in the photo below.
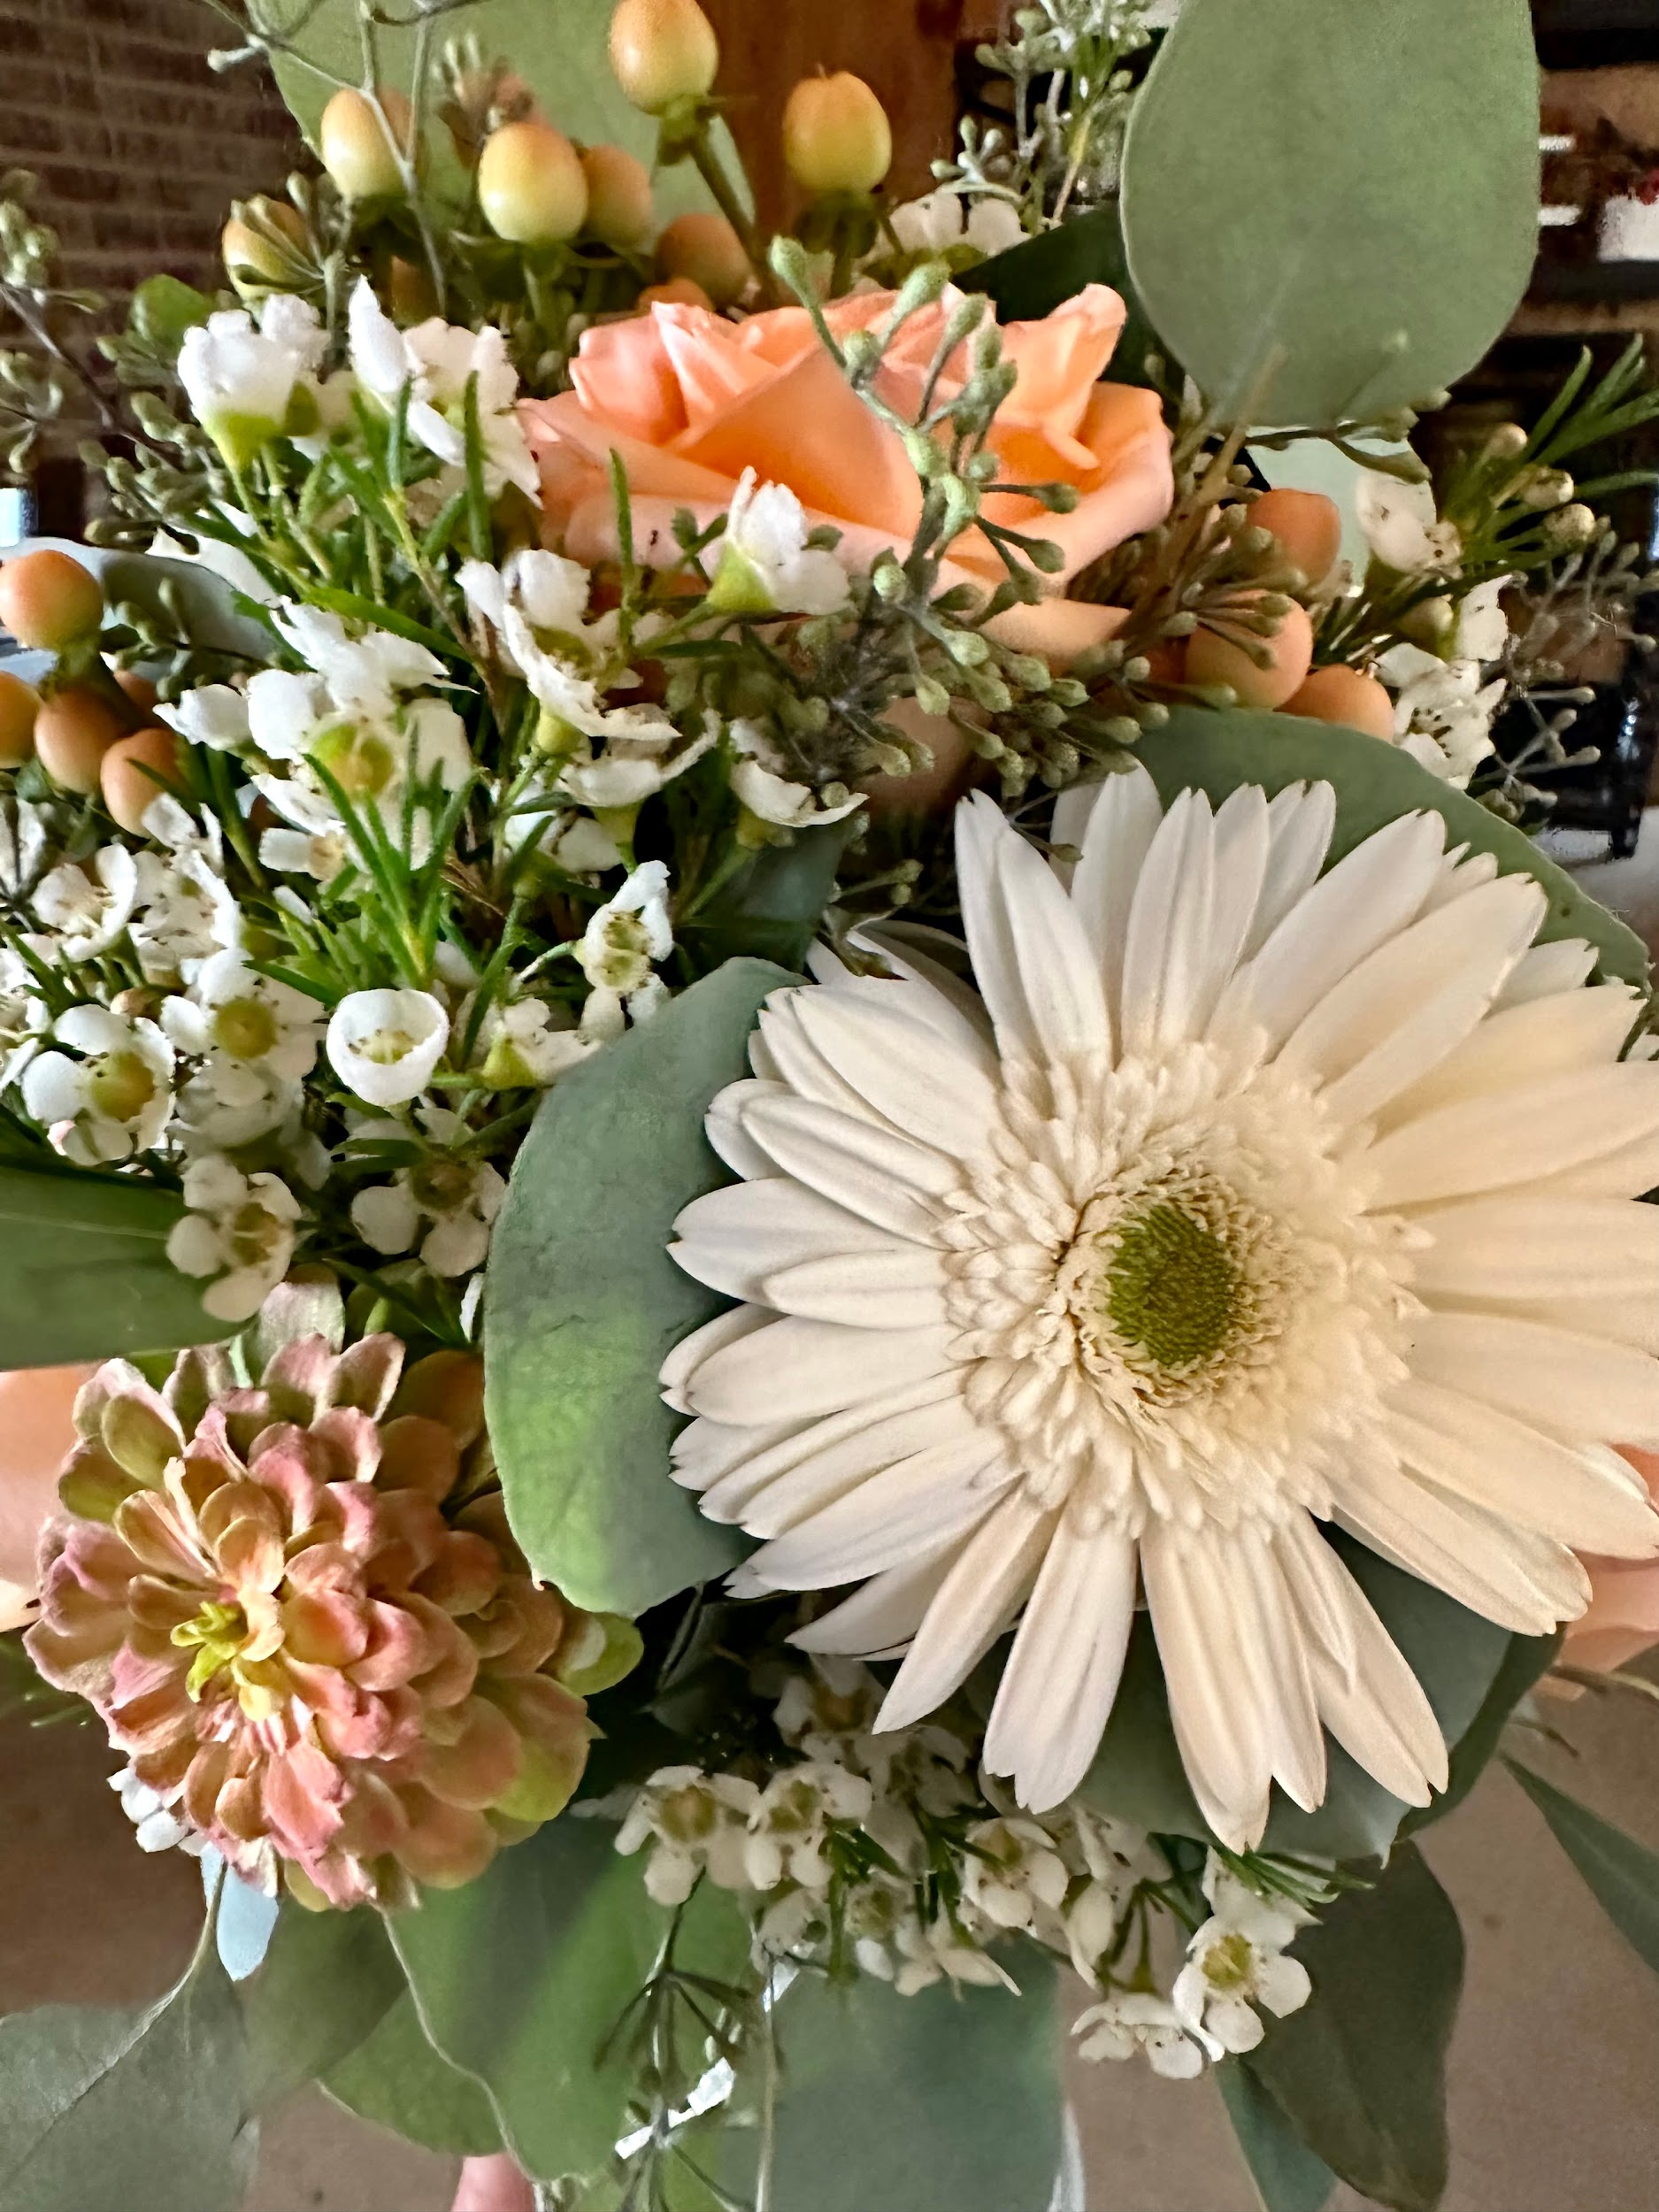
(847, 1847)
(1236, 1962)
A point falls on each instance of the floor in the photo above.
(1555, 2075)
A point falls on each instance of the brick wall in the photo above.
(138, 147)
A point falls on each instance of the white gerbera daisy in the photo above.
(1247, 1198)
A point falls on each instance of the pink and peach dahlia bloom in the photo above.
(307, 1625)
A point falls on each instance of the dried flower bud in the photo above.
(1572, 526)
(836, 137)
(662, 52)
(531, 185)
(252, 244)
(358, 149)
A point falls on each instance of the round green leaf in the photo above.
(1374, 784)
(1360, 2072)
(582, 1303)
(948, 2100)
(1350, 191)
(523, 1977)
(398, 2080)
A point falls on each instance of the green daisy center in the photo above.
(216, 1634)
(1172, 1288)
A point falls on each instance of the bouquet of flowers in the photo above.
(812, 1201)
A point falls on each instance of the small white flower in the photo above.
(25, 842)
(240, 378)
(115, 1099)
(384, 1045)
(766, 566)
(156, 1826)
(1403, 526)
(791, 1820)
(522, 1050)
(24, 1018)
(214, 715)
(1443, 712)
(236, 1014)
(437, 360)
(319, 853)
(941, 219)
(939, 1952)
(761, 782)
(1237, 1961)
(1128, 2021)
(1012, 1871)
(363, 675)
(623, 941)
(85, 915)
(1483, 628)
(239, 1228)
(458, 1198)
(699, 1823)
(186, 913)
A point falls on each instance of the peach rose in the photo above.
(689, 401)
(1622, 1616)
(37, 1433)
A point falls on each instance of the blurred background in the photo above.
(138, 148)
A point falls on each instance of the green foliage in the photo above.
(139, 2105)
(397, 2079)
(946, 2101)
(1622, 1875)
(771, 907)
(1350, 190)
(583, 1303)
(87, 1274)
(1456, 1656)
(162, 308)
(1360, 2072)
(524, 1980)
(1524, 1661)
(1374, 783)
(1031, 281)
(327, 1981)
(1288, 2175)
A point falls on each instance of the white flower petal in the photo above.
(1586, 1119)
(1528, 1247)
(1585, 1498)
(1067, 1660)
(989, 1580)
(887, 1519)
(1521, 1580)
(803, 1369)
(1556, 1379)
(731, 1238)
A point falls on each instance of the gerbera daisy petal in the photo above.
(1519, 1579)
(1545, 1129)
(1067, 1658)
(1413, 1001)
(888, 1518)
(1257, 1199)
(1171, 926)
(807, 1368)
(903, 1069)
(1378, 1712)
(1554, 1378)
(734, 1238)
(1219, 1725)
(1377, 890)
(781, 1498)
(1531, 1247)
(988, 1581)
(1494, 1460)
(898, 1286)
(1546, 1036)
(723, 1125)
(1300, 823)
(1549, 972)
(884, 1614)
(1114, 832)
(690, 1354)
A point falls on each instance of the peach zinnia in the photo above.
(311, 1655)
